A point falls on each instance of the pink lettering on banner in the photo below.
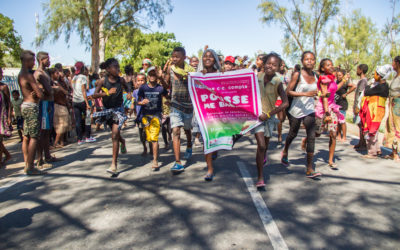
(225, 104)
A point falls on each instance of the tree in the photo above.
(301, 28)
(10, 42)
(392, 30)
(131, 46)
(94, 20)
(353, 41)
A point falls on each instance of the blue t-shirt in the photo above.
(154, 95)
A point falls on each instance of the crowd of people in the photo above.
(59, 105)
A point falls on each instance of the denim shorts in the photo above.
(180, 119)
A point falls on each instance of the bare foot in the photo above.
(144, 152)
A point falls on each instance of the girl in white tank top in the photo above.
(303, 105)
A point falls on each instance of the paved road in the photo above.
(78, 206)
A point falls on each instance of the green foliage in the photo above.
(303, 29)
(93, 20)
(392, 30)
(10, 42)
(131, 46)
(353, 41)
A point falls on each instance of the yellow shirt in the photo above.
(269, 92)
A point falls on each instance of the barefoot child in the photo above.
(271, 88)
(113, 114)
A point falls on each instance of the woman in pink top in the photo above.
(327, 112)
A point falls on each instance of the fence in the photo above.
(12, 82)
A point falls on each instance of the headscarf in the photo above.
(148, 61)
(384, 71)
(217, 64)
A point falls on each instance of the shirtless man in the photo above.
(30, 110)
(46, 111)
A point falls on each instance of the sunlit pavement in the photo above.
(79, 206)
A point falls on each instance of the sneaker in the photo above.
(177, 168)
(90, 139)
(188, 154)
(80, 142)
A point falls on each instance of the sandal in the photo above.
(388, 157)
(284, 160)
(209, 177)
(369, 157)
(155, 166)
(34, 171)
(53, 159)
(123, 148)
(112, 171)
(313, 174)
(260, 184)
(333, 166)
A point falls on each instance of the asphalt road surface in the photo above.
(79, 206)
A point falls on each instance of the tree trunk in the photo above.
(95, 36)
(102, 48)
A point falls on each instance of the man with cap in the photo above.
(229, 63)
(150, 98)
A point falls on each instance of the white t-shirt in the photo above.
(77, 83)
(303, 105)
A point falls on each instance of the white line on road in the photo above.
(275, 236)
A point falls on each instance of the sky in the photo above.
(230, 26)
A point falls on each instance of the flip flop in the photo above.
(260, 184)
(333, 166)
(155, 167)
(112, 171)
(313, 174)
(53, 159)
(34, 171)
(123, 148)
(284, 160)
(369, 157)
(209, 177)
(388, 157)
